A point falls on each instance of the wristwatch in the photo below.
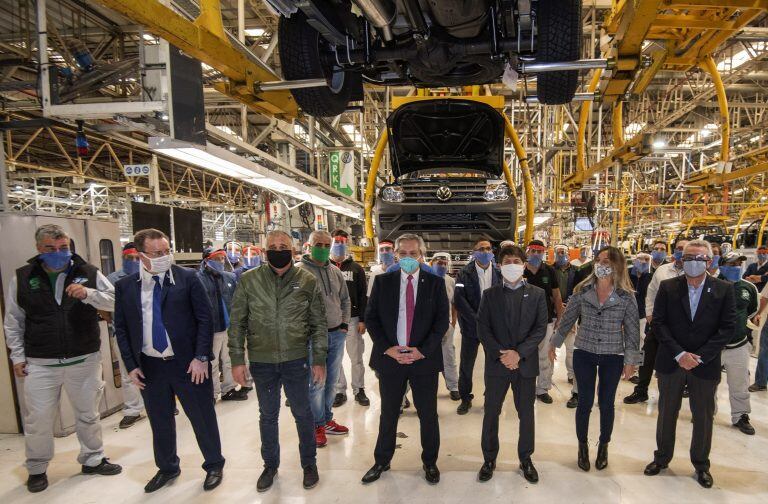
(202, 358)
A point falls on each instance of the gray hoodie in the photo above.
(331, 281)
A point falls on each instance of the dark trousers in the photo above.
(293, 377)
(524, 393)
(165, 379)
(424, 391)
(702, 402)
(589, 367)
(650, 348)
(467, 359)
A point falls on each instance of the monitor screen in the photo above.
(583, 224)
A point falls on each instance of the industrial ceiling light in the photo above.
(659, 144)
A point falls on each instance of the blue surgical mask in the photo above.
(252, 262)
(440, 270)
(339, 249)
(387, 258)
(694, 269)
(561, 260)
(131, 266)
(677, 254)
(731, 273)
(658, 256)
(641, 267)
(409, 265)
(215, 265)
(535, 260)
(233, 257)
(58, 260)
(483, 258)
(762, 257)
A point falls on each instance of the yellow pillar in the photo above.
(210, 18)
(527, 182)
(370, 186)
(722, 101)
(581, 157)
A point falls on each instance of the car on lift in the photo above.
(425, 43)
(711, 233)
(447, 182)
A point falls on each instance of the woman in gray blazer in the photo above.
(607, 345)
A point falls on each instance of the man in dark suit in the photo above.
(511, 323)
(164, 329)
(476, 277)
(693, 319)
(407, 316)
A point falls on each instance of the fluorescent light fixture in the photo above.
(633, 129)
(222, 160)
(659, 144)
(254, 32)
(149, 37)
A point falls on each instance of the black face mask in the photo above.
(279, 258)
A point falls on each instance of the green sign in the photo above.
(342, 171)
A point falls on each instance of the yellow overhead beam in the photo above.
(722, 101)
(712, 179)
(205, 40)
(581, 133)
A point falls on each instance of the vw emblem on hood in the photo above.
(444, 193)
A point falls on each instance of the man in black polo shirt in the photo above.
(540, 274)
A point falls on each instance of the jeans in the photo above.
(293, 376)
(588, 366)
(321, 395)
(761, 373)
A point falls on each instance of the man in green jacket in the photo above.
(277, 311)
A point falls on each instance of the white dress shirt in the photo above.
(402, 314)
(484, 276)
(147, 289)
(664, 272)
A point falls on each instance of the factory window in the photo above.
(107, 254)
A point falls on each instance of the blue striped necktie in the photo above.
(159, 339)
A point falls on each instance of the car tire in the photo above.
(300, 57)
(558, 39)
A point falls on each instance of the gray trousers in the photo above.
(133, 404)
(544, 381)
(42, 395)
(450, 371)
(355, 347)
(221, 365)
(736, 363)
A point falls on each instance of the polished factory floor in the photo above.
(739, 462)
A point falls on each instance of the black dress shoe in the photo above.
(583, 461)
(37, 482)
(635, 397)
(160, 480)
(573, 401)
(374, 473)
(464, 407)
(704, 479)
(311, 478)
(129, 420)
(213, 479)
(486, 472)
(455, 396)
(654, 468)
(601, 462)
(266, 479)
(744, 426)
(432, 474)
(757, 388)
(340, 399)
(545, 398)
(529, 472)
(105, 468)
(361, 398)
(246, 389)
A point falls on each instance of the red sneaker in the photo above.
(320, 438)
(334, 429)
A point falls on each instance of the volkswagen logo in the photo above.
(444, 193)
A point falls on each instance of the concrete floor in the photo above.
(739, 462)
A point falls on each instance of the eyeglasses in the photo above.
(699, 257)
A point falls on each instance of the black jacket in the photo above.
(640, 283)
(429, 324)
(496, 334)
(53, 331)
(357, 286)
(706, 335)
(467, 296)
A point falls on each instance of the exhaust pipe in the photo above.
(381, 13)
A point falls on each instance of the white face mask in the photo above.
(603, 271)
(512, 272)
(160, 264)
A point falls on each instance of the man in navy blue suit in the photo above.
(164, 328)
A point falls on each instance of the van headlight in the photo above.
(496, 192)
(392, 194)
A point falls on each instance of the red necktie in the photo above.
(410, 304)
